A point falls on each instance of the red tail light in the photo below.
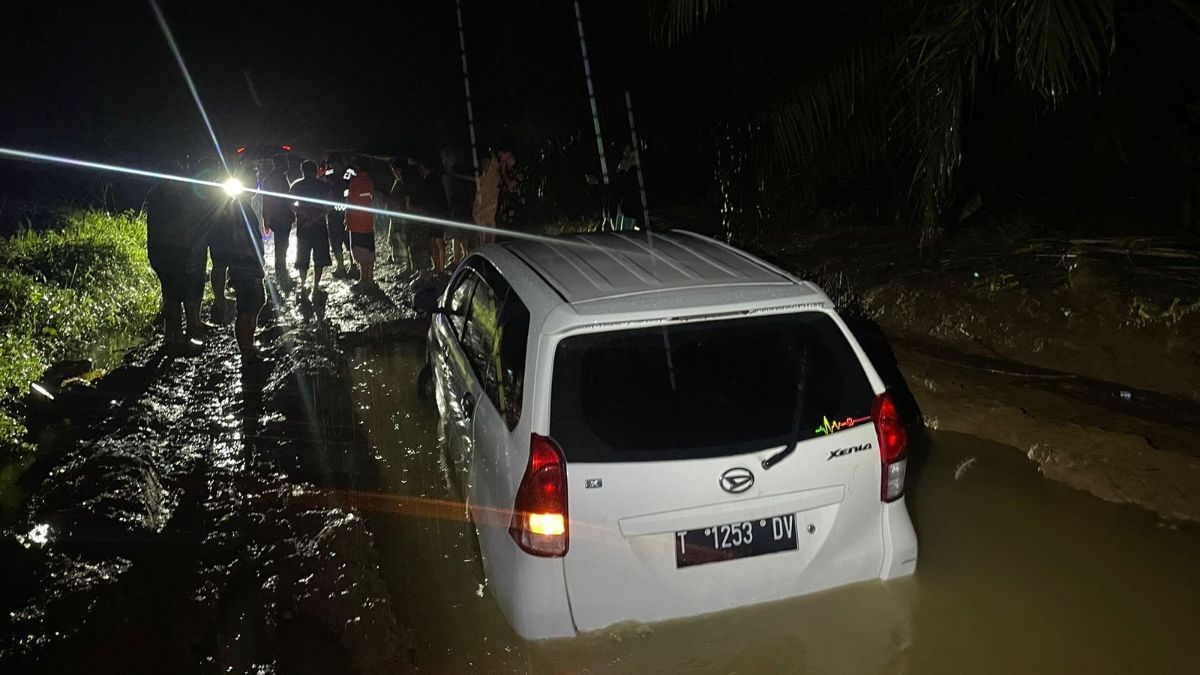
(539, 522)
(893, 446)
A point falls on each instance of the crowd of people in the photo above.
(194, 231)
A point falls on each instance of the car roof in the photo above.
(596, 266)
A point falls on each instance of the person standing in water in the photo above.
(334, 175)
(242, 241)
(175, 247)
(277, 217)
(361, 226)
(312, 238)
(399, 249)
(427, 198)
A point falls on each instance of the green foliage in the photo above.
(893, 83)
(67, 290)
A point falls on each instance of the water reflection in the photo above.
(1017, 574)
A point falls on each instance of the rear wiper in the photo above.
(795, 438)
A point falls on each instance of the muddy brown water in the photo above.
(1016, 574)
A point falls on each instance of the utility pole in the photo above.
(637, 157)
(587, 73)
(462, 48)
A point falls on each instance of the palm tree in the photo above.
(895, 83)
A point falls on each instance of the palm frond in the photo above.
(846, 152)
(947, 49)
(675, 20)
(903, 91)
(842, 105)
(1059, 41)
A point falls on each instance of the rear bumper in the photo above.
(899, 542)
(530, 591)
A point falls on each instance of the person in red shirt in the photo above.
(361, 225)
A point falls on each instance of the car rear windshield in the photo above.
(704, 389)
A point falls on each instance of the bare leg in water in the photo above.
(243, 329)
(251, 299)
(366, 263)
(191, 310)
(172, 323)
(220, 308)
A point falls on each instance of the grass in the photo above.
(66, 292)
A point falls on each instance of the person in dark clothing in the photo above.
(398, 228)
(277, 217)
(208, 206)
(175, 246)
(312, 236)
(335, 219)
(627, 194)
(426, 197)
(240, 242)
(218, 250)
(457, 185)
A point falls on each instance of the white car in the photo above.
(651, 427)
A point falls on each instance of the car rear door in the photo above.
(665, 431)
(454, 381)
(498, 336)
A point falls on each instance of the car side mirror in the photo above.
(428, 301)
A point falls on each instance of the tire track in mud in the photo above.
(201, 525)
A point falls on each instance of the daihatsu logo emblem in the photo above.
(737, 480)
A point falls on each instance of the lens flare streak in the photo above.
(223, 187)
(187, 76)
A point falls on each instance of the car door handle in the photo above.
(467, 402)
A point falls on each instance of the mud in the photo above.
(196, 514)
(205, 515)
(1083, 354)
(1121, 311)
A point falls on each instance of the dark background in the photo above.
(97, 81)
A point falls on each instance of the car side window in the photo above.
(479, 337)
(460, 300)
(494, 340)
(512, 339)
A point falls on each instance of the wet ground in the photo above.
(1017, 574)
(201, 515)
(1084, 354)
(196, 514)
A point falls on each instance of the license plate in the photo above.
(735, 540)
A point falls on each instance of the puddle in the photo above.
(1017, 573)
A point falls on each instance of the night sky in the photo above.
(98, 81)
(98, 78)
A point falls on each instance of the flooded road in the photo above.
(1017, 574)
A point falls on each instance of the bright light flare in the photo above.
(187, 76)
(13, 153)
(233, 187)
